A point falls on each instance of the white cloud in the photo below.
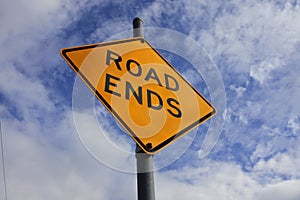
(40, 168)
(238, 90)
(288, 190)
(284, 164)
(294, 124)
(256, 40)
(28, 96)
(213, 180)
(30, 29)
(254, 31)
(219, 180)
(20, 16)
(262, 72)
(44, 159)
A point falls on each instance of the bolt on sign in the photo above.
(141, 89)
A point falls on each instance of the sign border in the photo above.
(168, 141)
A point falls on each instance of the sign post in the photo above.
(149, 98)
(145, 178)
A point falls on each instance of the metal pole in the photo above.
(3, 163)
(145, 178)
(137, 27)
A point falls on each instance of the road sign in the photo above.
(141, 89)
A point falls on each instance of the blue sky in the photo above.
(252, 151)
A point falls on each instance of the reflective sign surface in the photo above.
(144, 93)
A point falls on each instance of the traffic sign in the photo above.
(141, 89)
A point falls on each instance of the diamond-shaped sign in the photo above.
(141, 89)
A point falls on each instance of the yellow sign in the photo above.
(144, 92)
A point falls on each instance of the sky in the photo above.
(60, 143)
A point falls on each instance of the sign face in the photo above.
(144, 92)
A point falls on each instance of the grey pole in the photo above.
(145, 178)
